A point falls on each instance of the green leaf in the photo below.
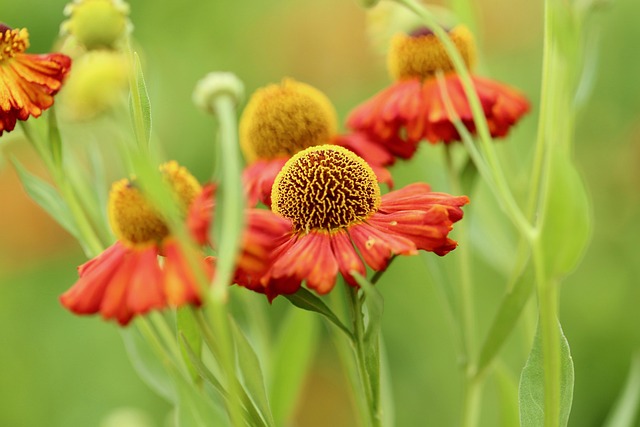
(307, 301)
(195, 409)
(47, 197)
(188, 329)
(506, 319)
(625, 411)
(531, 392)
(468, 176)
(386, 392)
(147, 364)
(139, 105)
(292, 356)
(253, 379)
(567, 221)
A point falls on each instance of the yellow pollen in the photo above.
(282, 119)
(325, 188)
(12, 41)
(421, 55)
(133, 218)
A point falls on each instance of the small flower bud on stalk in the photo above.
(215, 85)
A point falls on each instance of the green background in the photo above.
(57, 370)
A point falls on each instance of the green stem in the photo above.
(550, 336)
(359, 349)
(473, 384)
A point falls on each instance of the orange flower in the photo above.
(413, 108)
(280, 120)
(328, 201)
(126, 279)
(27, 82)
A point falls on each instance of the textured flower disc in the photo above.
(421, 54)
(281, 120)
(12, 41)
(134, 220)
(325, 188)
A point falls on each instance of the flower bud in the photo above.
(97, 23)
(214, 85)
(99, 81)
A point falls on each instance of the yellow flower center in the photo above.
(421, 53)
(325, 188)
(134, 219)
(12, 41)
(281, 120)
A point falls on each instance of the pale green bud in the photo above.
(215, 85)
(97, 24)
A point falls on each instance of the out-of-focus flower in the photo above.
(97, 24)
(330, 200)
(98, 83)
(414, 107)
(27, 82)
(126, 279)
(283, 119)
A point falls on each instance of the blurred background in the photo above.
(58, 370)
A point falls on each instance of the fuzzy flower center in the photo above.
(12, 41)
(134, 219)
(282, 119)
(420, 54)
(325, 188)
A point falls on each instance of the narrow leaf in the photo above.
(251, 373)
(507, 396)
(307, 301)
(47, 197)
(139, 105)
(292, 356)
(625, 411)
(567, 224)
(531, 391)
(189, 331)
(506, 319)
(195, 409)
(147, 364)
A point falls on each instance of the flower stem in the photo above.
(473, 384)
(550, 335)
(373, 402)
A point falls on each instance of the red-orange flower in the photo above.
(27, 82)
(414, 109)
(127, 279)
(281, 120)
(328, 201)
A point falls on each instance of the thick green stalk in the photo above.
(359, 348)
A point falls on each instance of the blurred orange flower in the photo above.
(27, 82)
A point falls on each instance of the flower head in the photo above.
(27, 82)
(329, 201)
(97, 24)
(414, 107)
(281, 120)
(126, 279)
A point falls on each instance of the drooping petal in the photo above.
(258, 179)
(377, 246)
(347, 257)
(418, 196)
(87, 294)
(180, 280)
(201, 214)
(28, 84)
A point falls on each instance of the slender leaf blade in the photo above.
(531, 390)
(188, 329)
(307, 301)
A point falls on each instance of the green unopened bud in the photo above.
(97, 23)
(98, 82)
(215, 85)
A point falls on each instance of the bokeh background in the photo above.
(60, 371)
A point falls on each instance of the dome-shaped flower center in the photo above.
(133, 218)
(281, 120)
(420, 54)
(325, 188)
(12, 41)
